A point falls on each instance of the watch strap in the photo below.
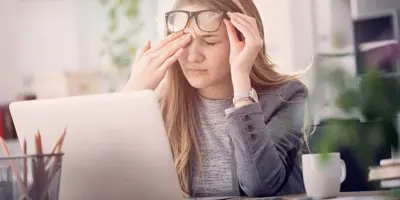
(251, 95)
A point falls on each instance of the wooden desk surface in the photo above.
(348, 194)
(372, 194)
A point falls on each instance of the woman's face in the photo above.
(205, 60)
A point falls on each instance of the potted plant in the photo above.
(119, 40)
(370, 103)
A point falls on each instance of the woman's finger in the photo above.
(248, 19)
(243, 29)
(252, 32)
(170, 61)
(170, 49)
(167, 40)
(232, 34)
(143, 50)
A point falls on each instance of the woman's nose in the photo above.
(194, 49)
(194, 52)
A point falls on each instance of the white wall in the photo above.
(44, 36)
(278, 29)
(9, 77)
(66, 34)
(162, 7)
(360, 7)
(289, 34)
(35, 36)
(91, 24)
(303, 39)
(332, 18)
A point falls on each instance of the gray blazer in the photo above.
(267, 137)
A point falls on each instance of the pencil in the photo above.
(25, 164)
(39, 148)
(54, 164)
(58, 145)
(41, 170)
(13, 167)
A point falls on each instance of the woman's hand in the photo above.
(242, 53)
(152, 63)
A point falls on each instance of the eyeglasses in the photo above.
(206, 20)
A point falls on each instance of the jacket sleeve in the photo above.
(266, 141)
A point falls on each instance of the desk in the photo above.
(370, 195)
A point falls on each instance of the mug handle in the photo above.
(343, 174)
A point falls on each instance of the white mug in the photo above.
(323, 177)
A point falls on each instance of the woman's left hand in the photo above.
(242, 53)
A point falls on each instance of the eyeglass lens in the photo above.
(208, 21)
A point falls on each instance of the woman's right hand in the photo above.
(152, 63)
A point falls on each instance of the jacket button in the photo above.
(252, 136)
(250, 128)
(246, 118)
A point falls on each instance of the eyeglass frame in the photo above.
(195, 14)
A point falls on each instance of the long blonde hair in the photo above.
(178, 99)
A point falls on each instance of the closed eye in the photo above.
(211, 43)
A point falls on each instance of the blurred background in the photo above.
(59, 48)
(54, 48)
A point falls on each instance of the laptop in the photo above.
(116, 146)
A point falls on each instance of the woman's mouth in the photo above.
(197, 70)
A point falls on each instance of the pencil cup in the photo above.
(31, 177)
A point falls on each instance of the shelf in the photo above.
(388, 12)
(376, 41)
(368, 46)
(364, 47)
(380, 28)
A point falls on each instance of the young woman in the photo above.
(235, 124)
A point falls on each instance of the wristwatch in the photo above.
(252, 95)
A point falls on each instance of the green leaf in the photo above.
(395, 192)
(132, 9)
(373, 99)
(132, 13)
(121, 40)
(390, 133)
(119, 10)
(347, 99)
(336, 133)
(112, 27)
(376, 97)
(112, 14)
(132, 50)
(338, 78)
